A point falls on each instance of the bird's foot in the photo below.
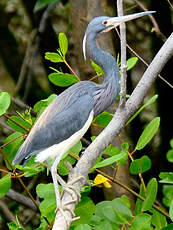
(72, 190)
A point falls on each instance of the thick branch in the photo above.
(113, 129)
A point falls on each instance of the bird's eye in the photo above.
(105, 22)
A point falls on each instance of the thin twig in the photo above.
(123, 55)
(7, 212)
(17, 123)
(155, 24)
(13, 139)
(41, 29)
(26, 61)
(20, 180)
(6, 126)
(170, 4)
(70, 68)
(137, 55)
(19, 103)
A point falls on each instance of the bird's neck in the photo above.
(105, 60)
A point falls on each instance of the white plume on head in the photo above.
(84, 46)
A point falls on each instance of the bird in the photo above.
(64, 122)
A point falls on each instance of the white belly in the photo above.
(65, 145)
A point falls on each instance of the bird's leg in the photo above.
(55, 180)
(69, 187)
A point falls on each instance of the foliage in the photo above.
(167, 180)
(58, 77)
(111, 215)
(4, 102)
(5, 185)
(40, 4)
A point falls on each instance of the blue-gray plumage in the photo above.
(68, 117)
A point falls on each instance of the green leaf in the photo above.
(41, 105)
(125, 146)
(169, 155)
(140, 165)
(148, 133)
(40, 4)
(85, 210)
(14, 226)
(167, 194)
(158, 219)
(122, 210)
(53, 57)
(29, 169)
(76, 148)
(126, 200)
(44, 103)
(112, 150)
(48, 205)
(171, 210)
(103, 119)
(62, 79)
(5, 101)
(110, 160)
(63, 43)
(98, 223)
(141, 222)
(62, 168)
(21, 122)
(149, 102)
(151, 193)
(131, 62)
(5, 184)
(138, 206)
(83, 227)
(167, 177)
(168, 227)
(14, 141)
(104, 210)
(171, 143)
(97, 68)
(26, 116)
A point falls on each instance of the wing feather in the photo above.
(57, 123)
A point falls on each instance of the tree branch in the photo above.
(123, 55)
(7, 212)
(21, 199)
(113, 129)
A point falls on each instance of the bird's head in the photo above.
(104, 24)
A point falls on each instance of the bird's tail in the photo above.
(23, 154)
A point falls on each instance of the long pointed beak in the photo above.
(116, 21)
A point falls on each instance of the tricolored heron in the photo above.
(68, 117)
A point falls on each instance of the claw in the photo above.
(69, 188)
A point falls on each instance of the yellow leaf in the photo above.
(107, 185)
(102, 180)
